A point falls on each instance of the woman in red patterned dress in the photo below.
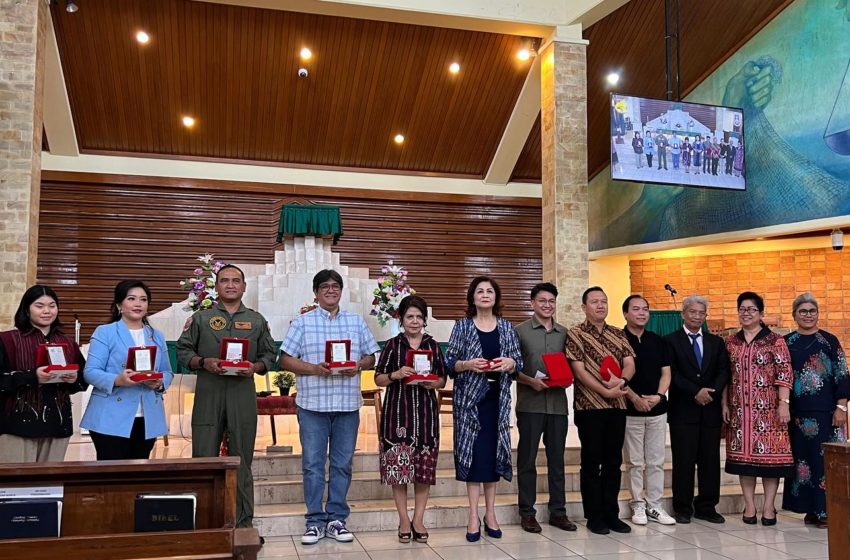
(410, 421)
(755, 407)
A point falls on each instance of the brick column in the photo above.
(564, 144)
(23, 26)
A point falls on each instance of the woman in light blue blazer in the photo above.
(123, 416)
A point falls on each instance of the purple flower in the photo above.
(199, 285)
(198, 271)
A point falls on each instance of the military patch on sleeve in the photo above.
(187, 324)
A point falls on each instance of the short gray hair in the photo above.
(691, 300)
(805, 297)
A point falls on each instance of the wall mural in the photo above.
(793, 81)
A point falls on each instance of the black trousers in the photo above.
(695, 446)
(116, 448)
(649, 159)
(602, 433)
(553, 429)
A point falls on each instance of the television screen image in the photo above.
(677, 143)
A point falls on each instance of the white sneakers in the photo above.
(336, 530)
(640, 516)
(660, 516)
(312, 535)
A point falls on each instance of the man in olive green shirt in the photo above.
(541, 411)
(227, 403)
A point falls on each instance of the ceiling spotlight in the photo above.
(302, 72)
(524, 54)
(398, 138)
(71, 6)
(142, 37)
(613, 78)
(188, 121)
(454, 68)
(306, 53)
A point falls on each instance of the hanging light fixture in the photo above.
(71, 7)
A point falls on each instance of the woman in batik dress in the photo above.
(410, 424)
(818, 409)
(756, 408)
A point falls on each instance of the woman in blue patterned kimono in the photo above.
(818, 409)
(483, 357)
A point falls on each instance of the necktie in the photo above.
(697, 351)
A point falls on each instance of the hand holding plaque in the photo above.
(54, 358)
(421, 362)
(142, 361)
(338, 356)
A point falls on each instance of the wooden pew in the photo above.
(98, 505)
(836, 459)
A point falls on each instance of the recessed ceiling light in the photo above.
(399, 138)
(613, 78)
(306, 53)
(188, 121)
(524, 54)
(142, 37)
(454, 68)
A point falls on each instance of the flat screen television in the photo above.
(677, 143)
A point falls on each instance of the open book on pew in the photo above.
(31, 512)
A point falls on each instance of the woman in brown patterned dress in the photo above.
(755, 407)
(410, 422)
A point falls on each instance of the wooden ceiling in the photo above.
(631, 40)
(234, 69)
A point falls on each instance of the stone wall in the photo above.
(23, 24)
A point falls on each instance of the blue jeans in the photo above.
(319, 431)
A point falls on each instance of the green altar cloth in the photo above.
(309, 219)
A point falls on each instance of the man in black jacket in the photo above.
(700, 371)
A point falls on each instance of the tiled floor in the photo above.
(697, 541)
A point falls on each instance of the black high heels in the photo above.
(476, 536)
(420, 537)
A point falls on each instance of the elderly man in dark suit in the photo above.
(700, 371)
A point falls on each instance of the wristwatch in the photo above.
(663, 397)
(201, 363)
(841, 407)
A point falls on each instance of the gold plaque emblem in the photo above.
(218, 323)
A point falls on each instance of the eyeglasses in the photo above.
(749, 310)
(330, 287)
(807, 312)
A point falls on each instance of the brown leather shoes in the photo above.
(562, 522)
(530, 524)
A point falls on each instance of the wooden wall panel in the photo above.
(96, 230)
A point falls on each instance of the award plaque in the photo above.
(141, 358)
(558, 368)
(421, 361)
(55, 358)
(337, 356)
(234, 355)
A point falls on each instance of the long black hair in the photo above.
(121, 290)
(22, 316)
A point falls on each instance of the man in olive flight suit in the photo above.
(225, 402)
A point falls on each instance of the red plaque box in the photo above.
(609, 367)
(142, 360)
(234, 355)
(56, 357)
(558, 368)
(338, 356)
(421, 361)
